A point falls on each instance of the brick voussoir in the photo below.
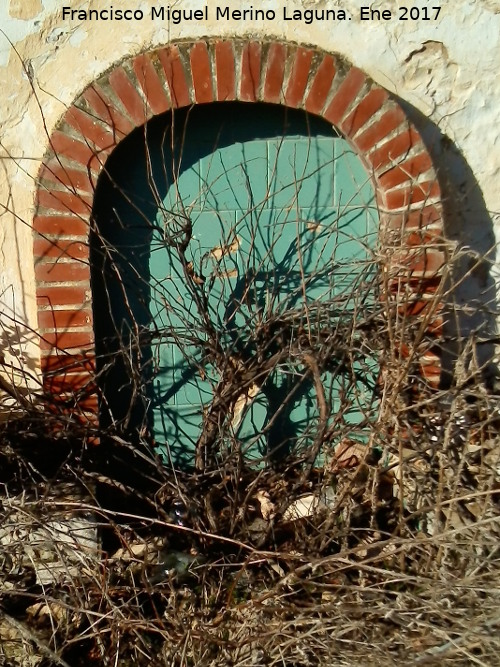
(250, 72)
(175, 76)
(274, 74)
(128, 91)
(224, 71)
(105, 108)
(151, 84)
(201, 69)
(299, 77)
(322, 81)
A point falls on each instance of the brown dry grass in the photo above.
(367, 577)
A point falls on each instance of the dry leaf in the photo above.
(242, 402)
(220, 251)
(267, 508)
(303, 507)
(347, 454)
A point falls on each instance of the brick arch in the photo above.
(178, 75)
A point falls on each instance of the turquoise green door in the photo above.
(266, 223)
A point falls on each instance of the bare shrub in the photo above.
(365, 531)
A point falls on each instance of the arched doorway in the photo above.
(234, 280)
(195, 73)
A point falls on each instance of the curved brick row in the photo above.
(408, 194)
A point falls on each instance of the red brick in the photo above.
(90, 404)
(345, 95)
(66, 339)
(379, 198)
(63, 144)
(132, 101)
(321, 85)
(69, 382)
(428, 263)
(425, 285)
(79, 418)
(62, 272)
(224, 66)
(60, 248)
(421, 262)
(421, 218)
(275, 72)
(414, 308)
(432, 374)
(391, 223)
(413, 194)
(405, 171)
(150, 83)
(106, 110)
(98, 160)
(175, 76)
(419, 307)
(64, 319)
(89, 408)
(78, 406)
(71, 403)
(391, 119)
(404, 350)
(363, 111)
(62, 225)
(201, 73)
(75, 179)
(428, 238)
(250, 72)
(429, 357)
(413, 220)
(64, 201)
(398, 146)
(299, 76)
(73, 363)
(435, 325)
(91, 131)
(62, 296)
(401, 237)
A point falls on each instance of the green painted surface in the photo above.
(283, 223)
(283, 220)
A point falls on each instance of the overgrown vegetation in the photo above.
(362, 531)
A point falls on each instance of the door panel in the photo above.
(277, 223)
(277, 218)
